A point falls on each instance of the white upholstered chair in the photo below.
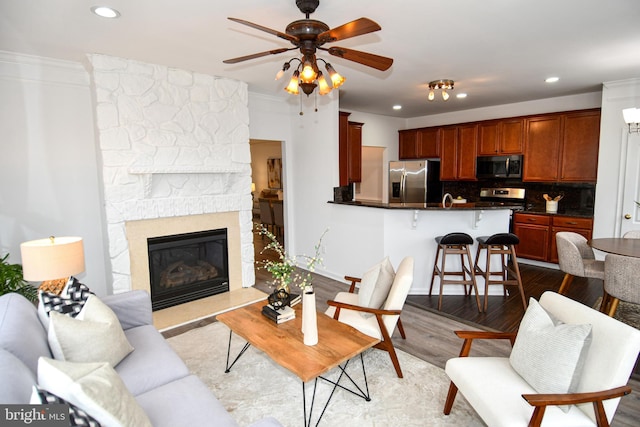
(377, 322)
(620, 281)
(502, 398)
(576, 258)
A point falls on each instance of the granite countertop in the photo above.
(429, 206)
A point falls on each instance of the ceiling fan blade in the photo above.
(292, 39)
(378, 62)
(256, 55)
(350, 29)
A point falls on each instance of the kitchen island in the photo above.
(373, 230)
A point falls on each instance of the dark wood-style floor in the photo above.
(430, 338)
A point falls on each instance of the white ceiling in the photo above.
(497, 51)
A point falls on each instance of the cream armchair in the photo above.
(502, 397)
(376, 322)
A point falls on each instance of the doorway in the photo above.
(631, 192)
(267, 186)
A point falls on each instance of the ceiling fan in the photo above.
(310, 35)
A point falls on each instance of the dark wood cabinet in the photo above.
(557, 147)
(562, 147)
(421, 143)
(355, 151)
(533, 232)
(501, 137)
(580, 144)
(349, 150)
(458, 152)
(408, 144)
(429, 143)
(582, 226)
(537, 234)
(542, 148)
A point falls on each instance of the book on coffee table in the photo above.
(294, 299)
(280, 315)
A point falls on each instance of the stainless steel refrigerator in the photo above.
(415, 181)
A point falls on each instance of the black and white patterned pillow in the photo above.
(77, 417)
(70, 301)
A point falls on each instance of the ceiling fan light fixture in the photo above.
(292, 87)
(432, 95)
(308, 74)
(285, 67)
(323, 86)
(336, 79)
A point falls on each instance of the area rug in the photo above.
(257, 387)
(626, 312)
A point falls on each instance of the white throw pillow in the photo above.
(95, 388)
(94, 335)
(375, 284)
(549, 354)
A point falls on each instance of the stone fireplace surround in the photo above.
(175, 158)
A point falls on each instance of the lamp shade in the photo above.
(52, 258)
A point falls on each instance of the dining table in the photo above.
(617, 245)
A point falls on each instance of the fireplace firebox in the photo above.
(187, 267)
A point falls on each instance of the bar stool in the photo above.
(499, 244)
(455, 244)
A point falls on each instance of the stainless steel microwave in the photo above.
(499, 167)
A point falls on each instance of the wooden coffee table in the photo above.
(283, 343)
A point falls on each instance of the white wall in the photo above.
(614, 137)
(48, 162)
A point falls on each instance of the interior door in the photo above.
(631, 192)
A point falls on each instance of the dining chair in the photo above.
(620, 281)
(278, 217)
(266, 214)
(576, 258)
(377, 322)
(632, 234)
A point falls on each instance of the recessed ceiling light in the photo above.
(105, 11)
(461, 95)
(397, 107)
(552, 79)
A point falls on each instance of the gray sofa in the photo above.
(153, 372)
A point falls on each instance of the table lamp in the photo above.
(52, 261)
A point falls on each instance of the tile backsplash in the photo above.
(576, 197)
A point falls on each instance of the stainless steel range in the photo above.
(512, 197)
(504, 196)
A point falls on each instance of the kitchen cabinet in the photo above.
(458, 149)
(537, 233)
(421, 143)
(349, 150)
(501, 137)
(542, 148)
(533, 232)
(580, 145)
(355, 151)
(562, 147)
(582, 226)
